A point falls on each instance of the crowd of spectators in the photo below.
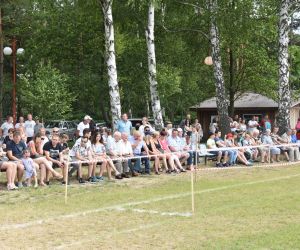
(130, 151)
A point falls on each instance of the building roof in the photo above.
(246, 100)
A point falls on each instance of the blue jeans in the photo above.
(138, 162)
(232, 154)
(191, 158)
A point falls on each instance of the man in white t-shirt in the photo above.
(7, 125)
(29, 127)
(125, 151)
(82, 125)
(21, 123)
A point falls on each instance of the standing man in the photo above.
(124, 125)
(7, 125)
(29, 127)
(82, 125)
(38, 125)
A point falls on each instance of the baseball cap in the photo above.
(87, 117)
(229, 135)
(179, 129)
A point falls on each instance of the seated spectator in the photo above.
(30, 169)
(232, 154)
(44, 137)
(263, 151)
(36, 154)
(10, 168)
(294, 136)
(63, 140)
(191, 149)
(251, 153)
(139, 148)
(185, 150)
(174, 143)
(275, 152)
(157, 149)
(230, 142)
(113, 149)
(153, 156)
(279, 141)
(82, 152)
(172, 158)
(99, 155)
(211, 144)
(293, 151)
(15, 153)
(125, 152)
(53, 152)
(9, 137)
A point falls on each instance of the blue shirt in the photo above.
(124, 126)
(16, 149)
(294, 138)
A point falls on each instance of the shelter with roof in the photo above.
(247, 105)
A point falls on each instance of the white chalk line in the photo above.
(143, 211)
(120, 206)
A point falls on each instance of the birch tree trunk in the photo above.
(284, 104)
(155, 101)
(221, 98)
(1, 65)
(114, 94)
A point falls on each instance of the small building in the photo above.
(247, 105)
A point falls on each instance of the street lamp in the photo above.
(14, 52)
(208, 60)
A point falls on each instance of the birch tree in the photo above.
(284, 103)
(114, 94)
(155, 100)
(221, 98)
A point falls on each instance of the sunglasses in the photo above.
(56, 131)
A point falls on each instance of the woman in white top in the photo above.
(99, 154)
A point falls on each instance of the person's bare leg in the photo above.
(103, 167)
(79, 170)
(90, 169)
(20, 171)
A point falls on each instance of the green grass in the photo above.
(256, 208)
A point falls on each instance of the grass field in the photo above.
(251, 208)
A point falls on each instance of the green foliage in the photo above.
(70, 34)
(47, 93)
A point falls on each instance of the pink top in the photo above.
(298, 125)
(164, 145)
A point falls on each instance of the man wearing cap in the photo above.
(82, 125)
(123, 125)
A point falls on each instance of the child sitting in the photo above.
(30, 170)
